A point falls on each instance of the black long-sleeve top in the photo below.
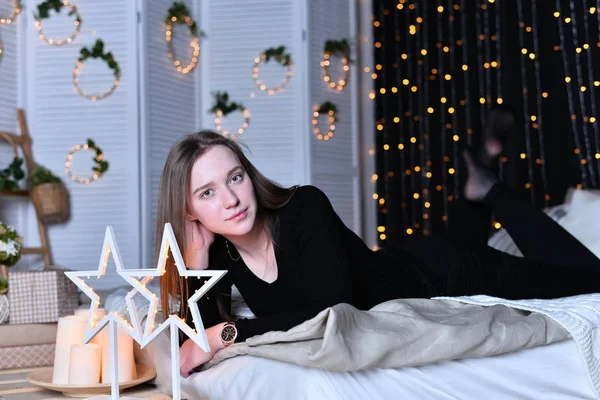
(320, 263)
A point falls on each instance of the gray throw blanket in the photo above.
(401, 333)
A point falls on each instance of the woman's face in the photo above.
(221, 195)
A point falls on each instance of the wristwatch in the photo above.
(228, 334)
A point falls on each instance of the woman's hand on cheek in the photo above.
(191, 356)
(198, 240)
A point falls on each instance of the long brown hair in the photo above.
(173, 195)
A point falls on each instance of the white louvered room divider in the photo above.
(155, 105)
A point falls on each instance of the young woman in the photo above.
(291, 256)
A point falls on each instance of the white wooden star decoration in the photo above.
(174, 322)
(113, 319)
(93, 327)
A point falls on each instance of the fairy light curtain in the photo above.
(440, 65)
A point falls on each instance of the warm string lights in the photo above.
(340, 49)
(223, 107)
(179, 14)
(43, 13)
(410, 48)
(539, 95)
(281, 57)
(591, 83)
(423, 167)
(581, 89)
(587, 173)
(100, 167)
(330, 110)
(17, 7)
(96, 52)
(525, 56)
(428, 132)
(399, 121)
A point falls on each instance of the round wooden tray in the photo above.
(43, 378)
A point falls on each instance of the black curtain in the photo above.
(439, 68)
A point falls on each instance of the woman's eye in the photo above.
(206, 193)
(236, 178)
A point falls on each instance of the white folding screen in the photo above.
(237, 32)
(335, 161)
(155, 105)
(59, 118)
(169, 100)
(11, 209)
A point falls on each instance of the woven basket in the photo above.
(51, 202)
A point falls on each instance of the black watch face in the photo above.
(228, 333)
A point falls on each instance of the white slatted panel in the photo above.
(238, 31)
(334, 162)
(170, 97)
(59, 119)
(10, 208)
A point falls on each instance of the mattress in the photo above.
(548, 372)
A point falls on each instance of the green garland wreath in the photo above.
(56, 5)
(338, 48)
(328, 106)
(223, 107)
(222, 104)
(180, 12)
(101, 164)
(278, 54)
(98, 52)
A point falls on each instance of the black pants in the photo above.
(555, 264)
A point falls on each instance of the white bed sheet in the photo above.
(548, 372)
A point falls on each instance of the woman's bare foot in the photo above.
(499, 125)
(479, 179)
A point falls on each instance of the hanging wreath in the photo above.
(280, 56)
(179, 14)
(340, 48)
(325, 108)
(44, 12)
(100, 167)
(16, 10)
(96, 52)
(222, 107)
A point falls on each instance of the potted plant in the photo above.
(49, 195)
(11, 244)
(3, 287)
(10, 176)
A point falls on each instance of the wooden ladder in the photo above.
(24, 142)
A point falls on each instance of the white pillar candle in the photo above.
(70, 331)
(125, 363)
(84, 364)
(100, 314)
